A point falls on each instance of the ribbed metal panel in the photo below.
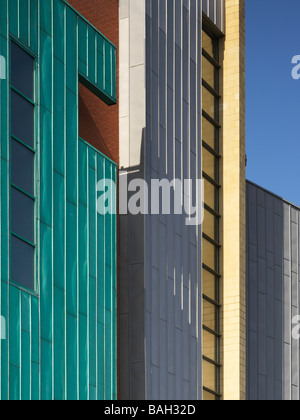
(61, 341)
(161, 256)
(173, 250)
(272, 296)
(215, 11)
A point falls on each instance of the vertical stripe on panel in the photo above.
(100, 289)
(4, 211)
(25, 346)
(46, 201)
(114, 291)
(58, 30)
(4, 113)
(24, 21)
(100, 62)
(35, 352)
(114, 74)
(108, 69)
(46, 308)
(83, 272)
(4, 343)
(82, 47)
(72, 207)
(108, 295)
(46, 8)
(36, 356)
(13, 15)
(33, 25)
(72, 51)
(71, 292)
(92, 271)
(91, 54)
(14, 344)
(59, 223)
(4, 19)
(59, 344)
(59, 287)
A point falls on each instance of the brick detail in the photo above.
(98, 122)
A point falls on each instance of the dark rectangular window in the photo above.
(22, 166)
(22, 161)
(211, 101)
(22, 267)
(22, 67)
(22, 119)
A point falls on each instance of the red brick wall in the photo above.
(98, 122)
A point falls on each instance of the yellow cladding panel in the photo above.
(234, 231)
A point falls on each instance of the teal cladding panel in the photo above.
(61, 340)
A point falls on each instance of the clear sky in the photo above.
(273, 96)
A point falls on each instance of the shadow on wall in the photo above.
(132, 312)
(272, 296)
(90, 121)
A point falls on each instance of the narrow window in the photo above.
(22, 162)
(211, 273)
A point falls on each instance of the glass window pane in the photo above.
(208, 102)
(207, 44)
(22, 267)
(208, 72)
(209, 254)
(210, 315)
(209, 164)
(22, 70)
(210, 194)
(22, 215)
(208, 133)
(210, 283)
(210, 342)
(209, 376)
(210, 225)
(22, 119)
(208, 397)
(22, 167)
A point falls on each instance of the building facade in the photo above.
(142, 305)
(182, 288)
(58, 255)
(272, 297)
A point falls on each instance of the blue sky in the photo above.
(273, 96)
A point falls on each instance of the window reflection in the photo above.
(210, 250)
(22, 157)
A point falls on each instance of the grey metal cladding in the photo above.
(160, 257)
(215, 11)
(273, 369)
(173, 343)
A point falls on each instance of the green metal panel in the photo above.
(61, 340)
